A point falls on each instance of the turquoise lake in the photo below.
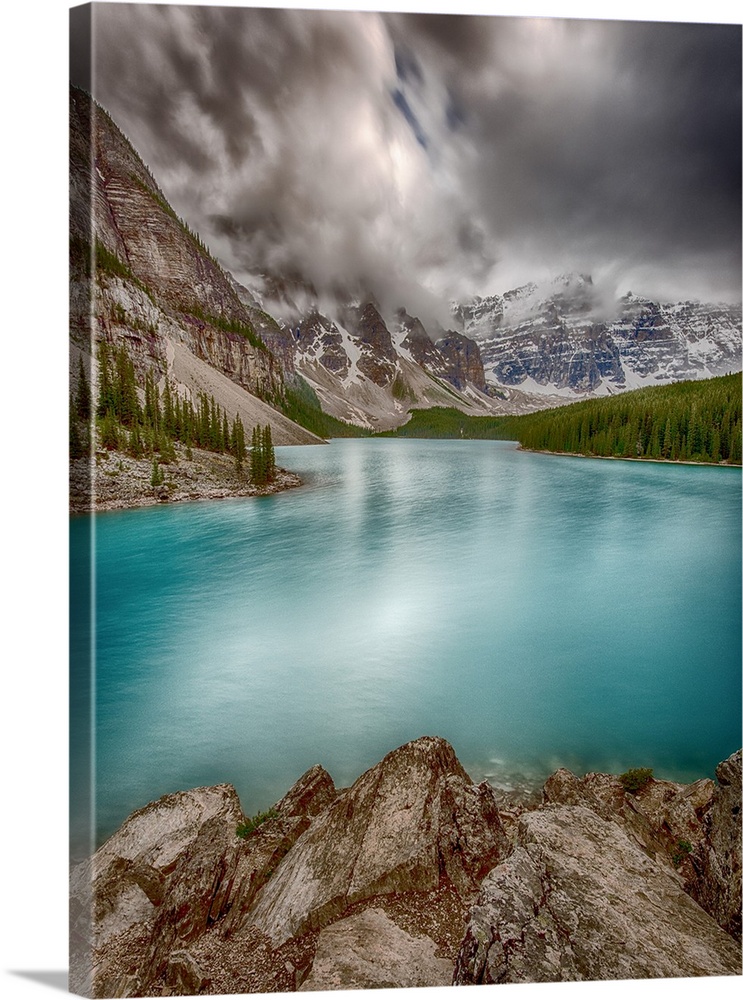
(534, 610)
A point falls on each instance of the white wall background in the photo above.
(33, 376)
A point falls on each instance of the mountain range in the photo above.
(160, 291)
(562, 337)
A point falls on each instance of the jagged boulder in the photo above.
(665, 819)
(715, 881)
(218, 877)
(577, 900)
(116, 896)
(309, 795)
(184, 976)
(173, 871)
(369, 951)
(412, 820)
(261, 852)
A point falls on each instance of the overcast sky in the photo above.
(423, 157)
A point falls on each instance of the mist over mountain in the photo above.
(413, 159)
(180, 313)
(566, 336)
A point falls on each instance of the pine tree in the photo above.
(152, 412)
(714, 453)
(125, 389)
(166, 448)
(226, 437)
(109, 431)
(667, 440)
(257, 471)
(178, 418)
(654, 447)
(215, 426)
(106, 399)
(203, 434)
(83, 404)
(169, 417)
(269, 456)
(136, 445)
(238, 443)
(156, 479)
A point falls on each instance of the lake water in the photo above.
(534, 610)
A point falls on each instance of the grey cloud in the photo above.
(424, 156)
(624, 144)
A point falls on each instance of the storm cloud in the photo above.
(418, 158)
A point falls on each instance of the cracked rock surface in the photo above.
(369, 951)
(409, 878)
(402, 826)
(715, 881)
(577, 899)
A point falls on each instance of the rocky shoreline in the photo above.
(414, 876)
(113, 480)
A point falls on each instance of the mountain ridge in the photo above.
(140, 277)
(159, 290)
(566, 337)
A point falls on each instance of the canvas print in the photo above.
(405, 490)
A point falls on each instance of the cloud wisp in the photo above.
(418, 158)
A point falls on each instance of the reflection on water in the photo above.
(535, 611)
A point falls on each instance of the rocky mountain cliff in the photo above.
(371, 370)
(156, 287)
(159, 290)
(414, 876)
(563, 338)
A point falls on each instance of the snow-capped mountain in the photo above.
(182, 315)
(532, 347)
(369, 370)
(563, 339)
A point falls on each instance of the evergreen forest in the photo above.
(300, 403)
(695, 421)
(150, 427)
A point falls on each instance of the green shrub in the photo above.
(683, 848)
(634, 780)
(250, 825)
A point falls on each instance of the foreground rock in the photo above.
(369, 951)
(116, 897)
(409, 878)
(411, 821)
(664, 819)
(715, 879)
(181, 903)
(577, 900)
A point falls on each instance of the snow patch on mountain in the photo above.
(563, 339)
(353, 353)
